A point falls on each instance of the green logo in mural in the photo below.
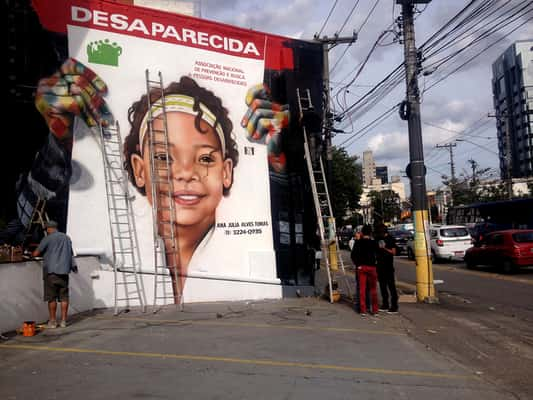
(104, 52)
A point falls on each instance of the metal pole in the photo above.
(450, 147)
(327, 125)
(425, 288)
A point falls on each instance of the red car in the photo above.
(509, 249)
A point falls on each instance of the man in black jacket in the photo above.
(387, 284)
(364, 256)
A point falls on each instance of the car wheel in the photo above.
(433, 257)
(469, 263)
(508, 267)
(410, 254)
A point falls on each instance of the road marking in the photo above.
(271, 363)
(484, 274)
(250, 325)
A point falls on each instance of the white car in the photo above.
(448, 242)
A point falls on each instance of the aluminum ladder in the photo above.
(39, 218)
(166, 248)
(321, 198)
(127, 288)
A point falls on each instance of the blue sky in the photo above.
(459, 103)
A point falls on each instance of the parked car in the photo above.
(448, 242)
(482, 229)
(405, 227)
(344, 235)
(401, 237)
(509, 250)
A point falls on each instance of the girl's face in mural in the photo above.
(197, 166)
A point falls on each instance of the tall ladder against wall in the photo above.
(324, 211)
(166, 254)
(127, 287)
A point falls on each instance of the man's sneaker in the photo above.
(51, 325)
(393, 310)
(384, 307)
(63, 324)
(362, 314)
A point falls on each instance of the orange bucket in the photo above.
(28, 328)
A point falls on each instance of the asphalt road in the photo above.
(483, 286)
(303, 348)
(484, 320)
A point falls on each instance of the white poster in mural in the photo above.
(220, 178)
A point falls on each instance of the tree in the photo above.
(469, 189)
(386, 205)
(346, 188)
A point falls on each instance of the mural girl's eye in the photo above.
(207, 158)
(162, 157)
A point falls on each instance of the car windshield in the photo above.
(454, 232)
(523, 237)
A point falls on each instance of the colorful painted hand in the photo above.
(74, 90)
(264, 121)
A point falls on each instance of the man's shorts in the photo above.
(56, 287)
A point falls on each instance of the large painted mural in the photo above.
(240, 197)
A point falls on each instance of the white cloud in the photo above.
(393, 145)
(454, 104)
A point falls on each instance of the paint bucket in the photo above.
(28, 328)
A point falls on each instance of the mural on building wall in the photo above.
(227, 95)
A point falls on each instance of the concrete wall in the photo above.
(21, 291)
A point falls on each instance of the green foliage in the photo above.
(346, 188)
(386, 205)
(469, 189)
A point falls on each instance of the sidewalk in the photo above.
(303, 348)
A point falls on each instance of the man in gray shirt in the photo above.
(56, 249)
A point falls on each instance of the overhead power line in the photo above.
(466, 22)
(327, 18)
(358, 32)
(347, 18)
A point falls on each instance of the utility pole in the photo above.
(327, 45)
(416, 170)
(473, 164)
(450, 147)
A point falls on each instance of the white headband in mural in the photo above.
(185, 104)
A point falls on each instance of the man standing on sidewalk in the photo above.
(56, 249)
(364, 257)
(387, 284)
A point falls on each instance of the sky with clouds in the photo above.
(456, 107)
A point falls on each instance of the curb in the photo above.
(406, 288)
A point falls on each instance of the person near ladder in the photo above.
(387, 284)
(364, 256)
(58, 262)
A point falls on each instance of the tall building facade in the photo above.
(369, 168)
(382, 173)
(512, 88)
